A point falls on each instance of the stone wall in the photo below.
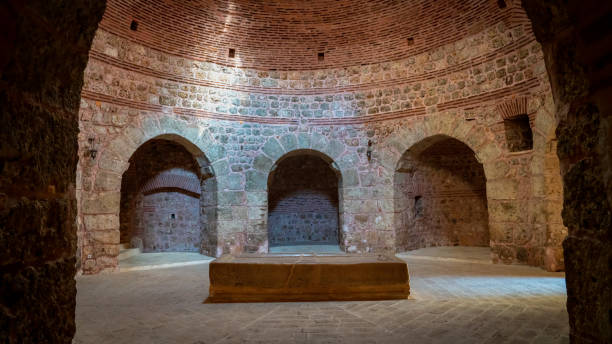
(168, 222)
(576, 41)
(502, 60)
(441, 198)
(43, 52)
(152, 161)
(244, 120)
(303, 202)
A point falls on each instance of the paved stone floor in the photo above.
(451, 302)
(157, 260)
(467, 254)
(313, 248)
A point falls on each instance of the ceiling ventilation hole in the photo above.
(134, 25)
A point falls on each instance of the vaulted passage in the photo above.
(160, 199)
(303, 202)
(440, 196)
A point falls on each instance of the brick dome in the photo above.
(291, 34)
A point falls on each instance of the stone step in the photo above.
(127, 253)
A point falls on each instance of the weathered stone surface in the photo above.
(571, 45)
(273, 149)
(104, 203)
(289, 142)
(256, 181)
(262, 163)
(256, 278)
(43, 55)
(103, 221)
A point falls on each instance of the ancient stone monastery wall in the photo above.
(238, 122)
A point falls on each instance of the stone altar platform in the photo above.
(307, 277)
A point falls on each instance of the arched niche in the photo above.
(168, 198)
(440, 196)
(304, 202)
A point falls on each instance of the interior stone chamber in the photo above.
(446, 139)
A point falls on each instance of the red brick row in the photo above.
(288, 35)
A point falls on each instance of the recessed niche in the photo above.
(519, 136)
(418, 206)
(410, 40)
(231, 53)
(321, 56)
(501, 4)
(134, 25)
(172, 216)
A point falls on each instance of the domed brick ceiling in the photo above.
(290, 35)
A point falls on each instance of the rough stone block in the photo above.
(289, 142)
(272, 278)
(104, 221)
(256, 181)
(107, 202)
(273, 149)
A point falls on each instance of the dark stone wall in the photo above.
(303, 202)
(575, 37)
(43, 51)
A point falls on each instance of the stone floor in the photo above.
(451, 302)
(313, 248)
(466, 254)
(157, 260)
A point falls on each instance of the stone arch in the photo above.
(256, 187)
(195, 139)
(439, 196)
(162, 174)
(477, 137)
(100, 202)
(487, 150)
(335, 220)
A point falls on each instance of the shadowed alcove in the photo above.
(303, 203)
(440, 196)
(165, 199)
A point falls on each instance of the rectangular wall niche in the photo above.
(519, 136)
(418, 206)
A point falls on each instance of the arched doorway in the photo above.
(303, 204)
(167, 199)
(440, 200)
